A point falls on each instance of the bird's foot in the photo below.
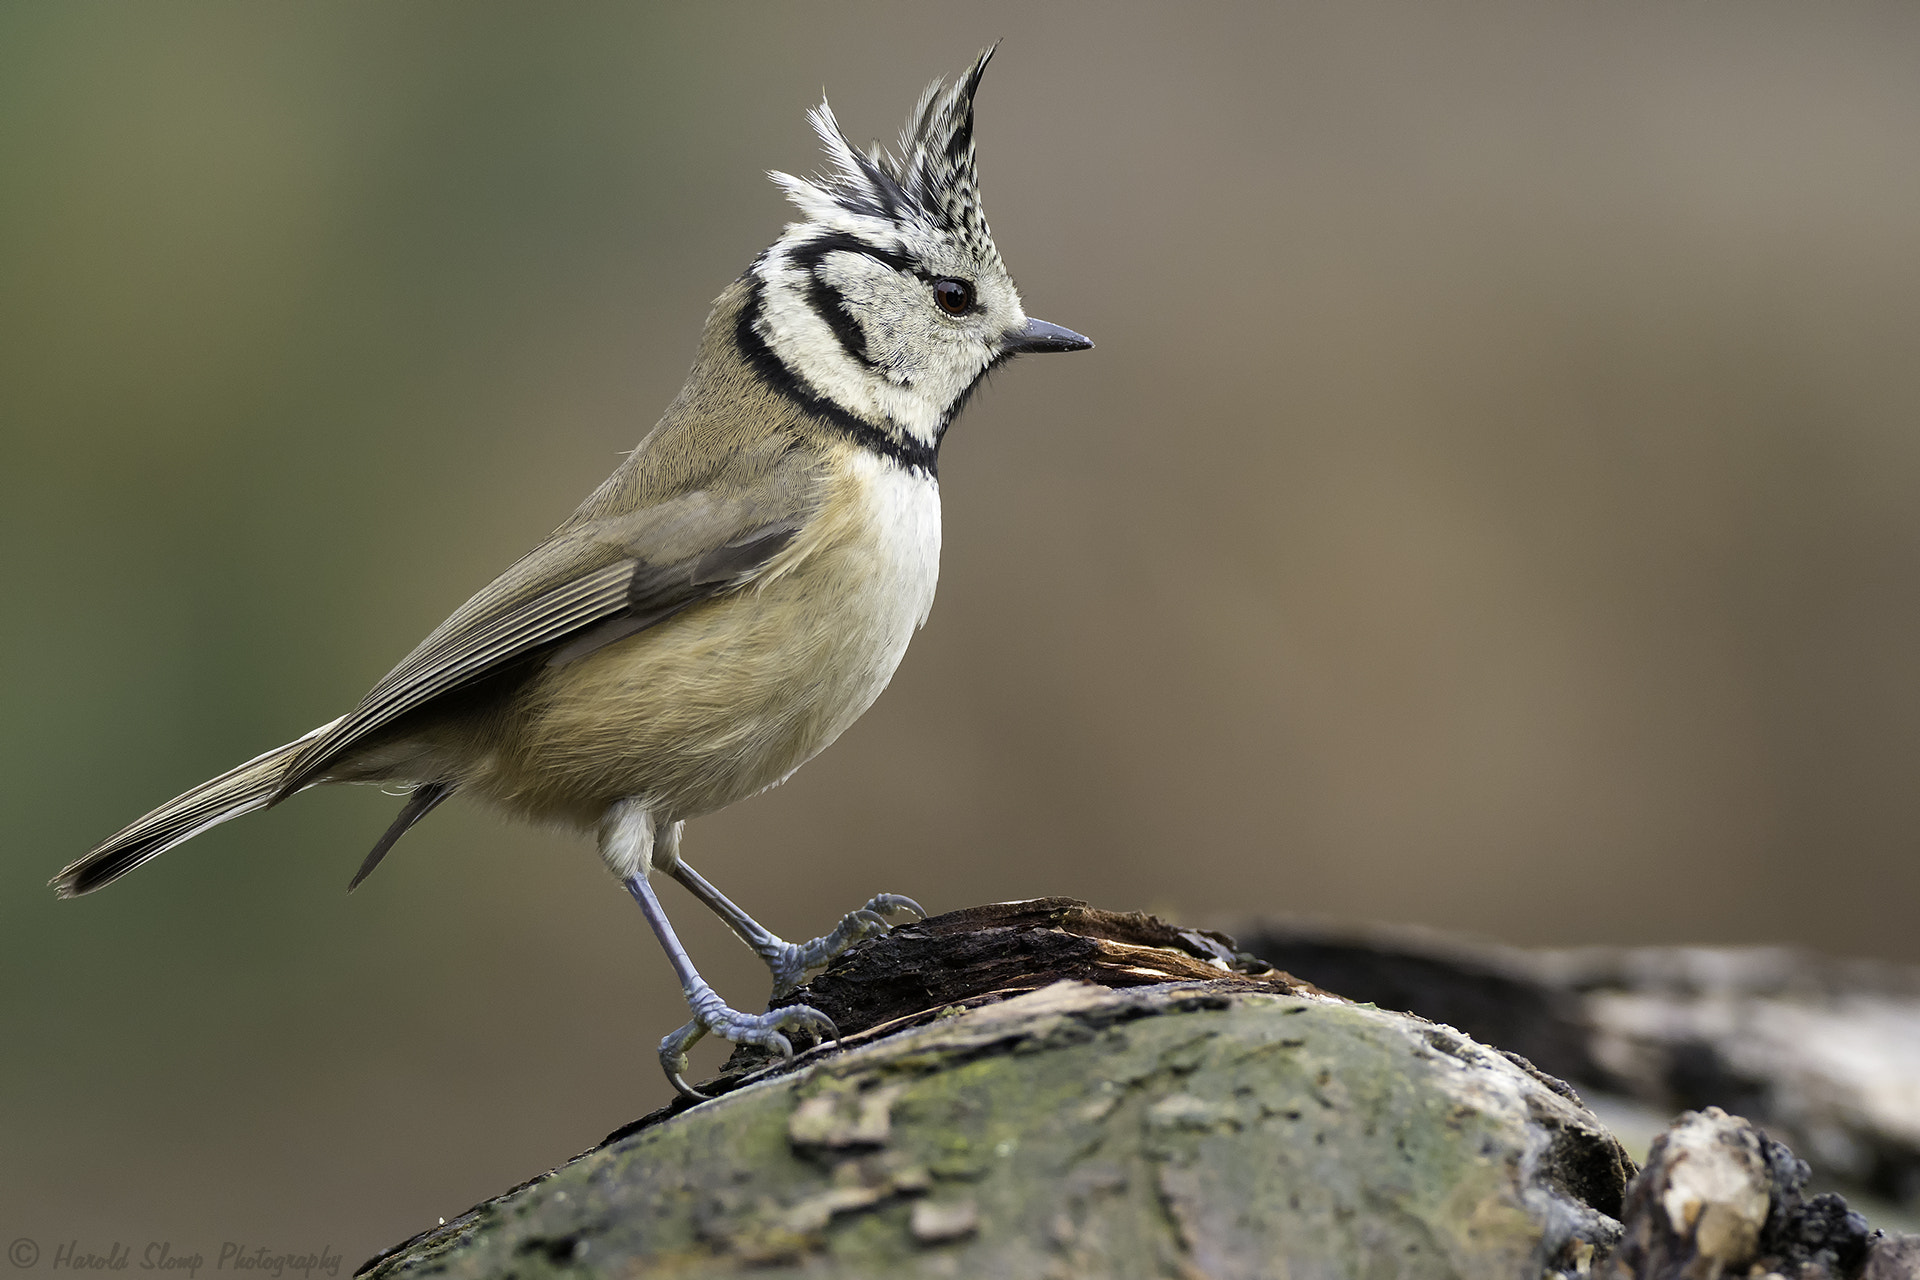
(790, 961)
(712, 1014)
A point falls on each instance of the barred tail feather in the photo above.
(240, 790)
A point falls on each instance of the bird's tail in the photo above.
(241, 790)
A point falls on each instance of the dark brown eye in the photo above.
(954, 296)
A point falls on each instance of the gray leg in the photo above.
(627, 842)
(710, 1012)
(789, 960)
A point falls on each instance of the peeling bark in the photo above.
(1040, 1089)
(1043, 1089)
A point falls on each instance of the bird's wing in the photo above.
(593, 582)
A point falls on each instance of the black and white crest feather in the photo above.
(933, 179)
(843, 309)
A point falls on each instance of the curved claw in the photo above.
(764, 1029)
(887, 903)
(807, 1014)
(673, 1058)
(790, 961)
(803, 1016)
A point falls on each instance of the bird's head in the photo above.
(887, 299)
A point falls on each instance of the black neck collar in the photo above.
(775, 373)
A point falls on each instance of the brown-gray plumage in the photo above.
(736, 594)
(695, 512)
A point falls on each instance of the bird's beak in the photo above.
(1041, 336)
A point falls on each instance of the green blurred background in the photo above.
(1491, 504)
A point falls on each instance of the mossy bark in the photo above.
(1233, 1126)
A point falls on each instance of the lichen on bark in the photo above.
(1217, 1128)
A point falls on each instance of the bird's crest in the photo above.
(932, 181)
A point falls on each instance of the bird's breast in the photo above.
(893, 521)
(861, 590)
(732, 696)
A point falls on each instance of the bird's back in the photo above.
(735, 693)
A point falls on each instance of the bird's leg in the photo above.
(710, 1012)
(627, 844)
(790, 961)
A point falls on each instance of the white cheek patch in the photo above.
(880, 306)
(915, 349)
(915, 365)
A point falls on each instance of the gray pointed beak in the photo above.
(1041, 336)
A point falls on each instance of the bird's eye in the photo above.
(954, 296)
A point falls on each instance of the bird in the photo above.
(734, 596)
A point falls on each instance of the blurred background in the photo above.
(1491, 504)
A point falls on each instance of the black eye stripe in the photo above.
(830, 305)
(775, 374)
(810, 255)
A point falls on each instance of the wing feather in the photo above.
(456, 656)
(567, 599)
